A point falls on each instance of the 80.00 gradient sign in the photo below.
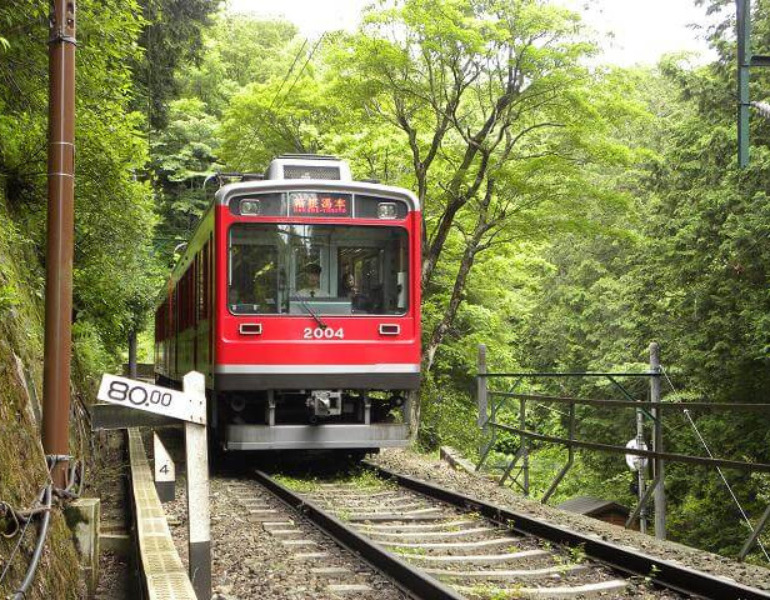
(151, 398)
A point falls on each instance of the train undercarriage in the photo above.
(310, 419)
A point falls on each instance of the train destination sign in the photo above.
(319, 204)
(152, 398)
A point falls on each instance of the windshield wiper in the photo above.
(312, 313)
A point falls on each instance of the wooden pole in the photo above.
(132, 354)
(61, 231)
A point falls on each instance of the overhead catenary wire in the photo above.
(288, 92)
(288, 74)
(302, 70)
(719, 470)
(278, 92)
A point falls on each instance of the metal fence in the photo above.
(492, 400)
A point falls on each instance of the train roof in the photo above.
(230, 190)
(311, 172)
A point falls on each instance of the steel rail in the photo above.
(411, 580)
(662, 572)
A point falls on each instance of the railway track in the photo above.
(440, 545)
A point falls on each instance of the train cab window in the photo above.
(253, 278)
(321, 269)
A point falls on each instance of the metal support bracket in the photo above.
(271, 408)
(570, 458)
(755, 534)
(643, 501)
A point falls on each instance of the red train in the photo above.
(298, 297)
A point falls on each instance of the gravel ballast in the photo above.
(436, 471)
(255, 552)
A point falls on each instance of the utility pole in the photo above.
(746, 60)
(640, 472)
(59, 250)
(657, 443)
(743, 18)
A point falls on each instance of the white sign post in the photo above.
(198, 513)
(188, 406)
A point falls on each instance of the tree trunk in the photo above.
(472, 248)
(432, 251)
(447, 320)
(132, 353)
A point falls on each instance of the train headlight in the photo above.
(250, 207)
(386, 210)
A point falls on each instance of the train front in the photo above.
(318, 310)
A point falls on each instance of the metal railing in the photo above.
(491, 403)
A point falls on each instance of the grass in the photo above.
(409, 551)
(298, 484)
(360, 478)
(494, 593)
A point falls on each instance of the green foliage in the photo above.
(238, 51)
(692, 275)
(171, 35)
(114, 275)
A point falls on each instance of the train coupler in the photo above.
(325, 403)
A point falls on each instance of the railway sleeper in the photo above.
(488, 543)
(558, 571)
(523, 558)
(455, 525)
(431, 535)
(602, 589)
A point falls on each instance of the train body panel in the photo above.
(299, 299)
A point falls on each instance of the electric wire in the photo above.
(29, 577)
(719, 470)
(302, 70)
(41, 497)
(251, 141)
(288, 74)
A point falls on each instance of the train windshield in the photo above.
(321, 269)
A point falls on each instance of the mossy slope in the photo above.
(22, 463)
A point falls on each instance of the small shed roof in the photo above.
(591, 506)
